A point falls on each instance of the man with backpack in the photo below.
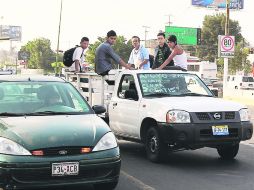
(75, 57)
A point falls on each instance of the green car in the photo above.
(50, 136)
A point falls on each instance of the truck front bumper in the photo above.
(201, 135)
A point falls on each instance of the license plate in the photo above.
(65, 168)
(220, 130)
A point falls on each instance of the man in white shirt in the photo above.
(139, 55)
(79, 56)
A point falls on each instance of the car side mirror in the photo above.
(99, 109)
(215, 93)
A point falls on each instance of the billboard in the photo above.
(12, 32)
(185, 36)
(234, 4)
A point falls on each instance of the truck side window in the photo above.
(127, 88)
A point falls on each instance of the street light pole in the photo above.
(225, 75)
(58, 38)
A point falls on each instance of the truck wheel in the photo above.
(228, 152)
(106, 186)
(156, 150)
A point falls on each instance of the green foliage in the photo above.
(41, 54)
(212, 27)
(57, 66)
(240, 62)
(122, 48)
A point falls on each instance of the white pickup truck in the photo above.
(173, 110)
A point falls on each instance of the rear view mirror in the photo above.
(99, 109)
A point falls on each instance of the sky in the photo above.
(93, 18)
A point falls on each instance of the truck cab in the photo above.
(169, 111)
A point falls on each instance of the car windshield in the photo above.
(207, 81)
(31, 98)
(172, 84)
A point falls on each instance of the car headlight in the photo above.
(244, 115)
(178, 116)
(108, 141)
(9, 147)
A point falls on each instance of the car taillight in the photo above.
(38, 153)
(85, 150)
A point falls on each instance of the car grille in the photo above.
(205, 116)
(44, 175)
(62, 151)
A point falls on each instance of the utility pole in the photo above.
(225, 76)
(58, 38)
(169, 20)
(146, 31)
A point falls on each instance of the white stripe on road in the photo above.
(137, 182)
(248, 144)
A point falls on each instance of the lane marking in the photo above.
(248, 144)
(137, 182)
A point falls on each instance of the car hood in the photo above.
(38, 132)
(195, 104)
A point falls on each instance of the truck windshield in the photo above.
(172, 84)
(48, 98)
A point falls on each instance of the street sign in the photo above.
(226, 46)
(23, 55)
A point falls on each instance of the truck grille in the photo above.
(205, 116)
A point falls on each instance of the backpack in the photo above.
(67, 57)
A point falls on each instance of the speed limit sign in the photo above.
(226, 46)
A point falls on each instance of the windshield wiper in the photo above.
(8, 114)
(194, 94)
(160, 94)
(54, 113)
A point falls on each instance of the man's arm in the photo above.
(167, 61)
(77, 56)
(146, 58)
(117, 58)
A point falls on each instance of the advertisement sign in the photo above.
(12, 32)
(185, 36)
(234, 4)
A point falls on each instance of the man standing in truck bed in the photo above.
(104, 53)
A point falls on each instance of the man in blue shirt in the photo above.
(139, 56)
(105, 53)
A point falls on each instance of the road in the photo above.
(189, 170)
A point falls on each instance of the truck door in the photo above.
(124, 108)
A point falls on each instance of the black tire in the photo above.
(105, 186)
(228, 152)
(156, 150)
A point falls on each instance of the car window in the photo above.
(30, 97)
(171, 84)
(127, 88)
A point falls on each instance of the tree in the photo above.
(122, 48)
(212, 27)
(240, 61)
(41, 54)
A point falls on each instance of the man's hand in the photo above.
(128, 66)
